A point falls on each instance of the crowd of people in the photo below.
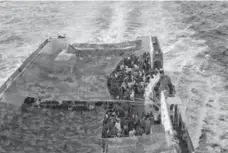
(128, 81)
(127, 123)
(130, 77)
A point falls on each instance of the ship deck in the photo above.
(59, 73)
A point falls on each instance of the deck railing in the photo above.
(9, 81)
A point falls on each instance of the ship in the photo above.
(127, 80)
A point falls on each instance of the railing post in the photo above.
(151, 53)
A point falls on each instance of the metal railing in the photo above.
(8, 82)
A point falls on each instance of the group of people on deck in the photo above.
(129, 81)
(125, 123)
(130, 77)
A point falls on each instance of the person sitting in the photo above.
(139, 130)
(105, 130)
(130, 84)
(161, 71)
(120, 111)
(125, 130)
(142, 87)
(106, 118)
(147, 125)
(135, 74)
(132, 65)
(113, 132)
(128, 62)
(111, 125)
(148, 77)
(133, 58)
(132, 96)
(119, 134)
(124, 86)
(125, 61)
(128, 69)
(132, 132)
(117, 125)
(143, 123)
(157, 117)
(140, 73)
(136, 119)
(127, 93)
(151, 117)
(131, 124)
(122, 66)
(136, 67)
(156, 71)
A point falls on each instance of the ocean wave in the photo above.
(11, 38)
(208, 19)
